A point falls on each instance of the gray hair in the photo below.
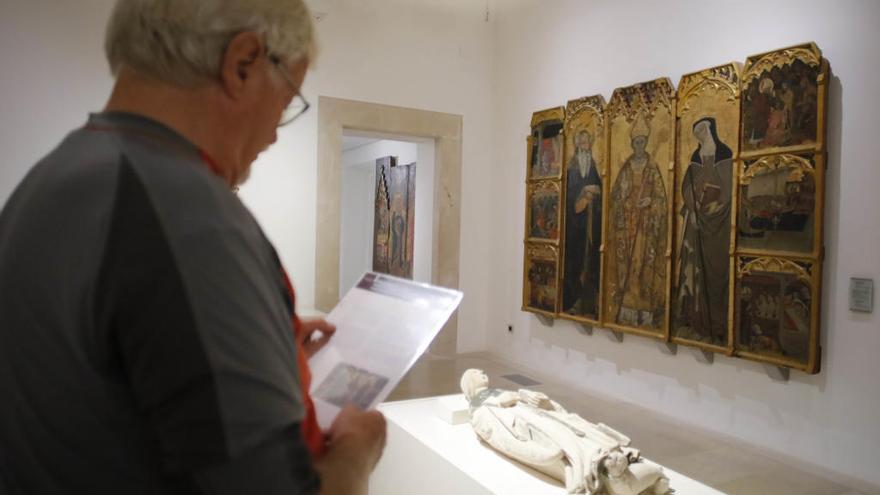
(182, 42)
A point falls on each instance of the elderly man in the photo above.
(147, 338)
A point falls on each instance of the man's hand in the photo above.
(309, 326)
(355, 443)
(362, 431)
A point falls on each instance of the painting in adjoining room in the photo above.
(585, 146)
(637, 224)
(783, 99)
(543, 208)
(545, 144)
(708, 137)
(775, 314)
(394, 220)
(778, 205)
(541, 278)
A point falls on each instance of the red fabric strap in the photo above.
(311, 431)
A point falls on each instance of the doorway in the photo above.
(337, 117)
(363, 154)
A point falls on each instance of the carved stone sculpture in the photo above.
(527, 426)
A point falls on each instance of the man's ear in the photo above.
(239, 62)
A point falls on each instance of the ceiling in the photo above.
(352, 142)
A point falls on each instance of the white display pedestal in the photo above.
(426, 455)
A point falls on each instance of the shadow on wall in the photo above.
(828, 311)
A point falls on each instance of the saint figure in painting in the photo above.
(638, 220)
(546, 150)
(583, 229)
(398, 234)
(704, 264)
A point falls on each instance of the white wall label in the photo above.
(861, 294)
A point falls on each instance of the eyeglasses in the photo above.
(299, 105)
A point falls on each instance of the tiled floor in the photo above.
(723, 464)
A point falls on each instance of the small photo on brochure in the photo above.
(347, 384)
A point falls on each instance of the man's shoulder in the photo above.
(77, 175)
(113, 155)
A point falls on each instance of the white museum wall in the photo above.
(357, 209)
(355, 224)
(425, 54)
(54, 74)
(423, 243)
(548, 52)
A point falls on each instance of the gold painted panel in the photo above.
(540, 278)
(583, 192)
(783, 103)
(777, 311)
(780, 205)
(709, 200)
(638, 230)
(543, 210)
(707, 145)
(545, 144)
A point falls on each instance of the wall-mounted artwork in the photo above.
(784, 100)
(394, 220)
(779, 198)
(545, 144)
(692, 216)
(637, 230)
(776, 311)
(543, 212)
(541, 279)
(585, 148)
(544, 219)
(708, 138)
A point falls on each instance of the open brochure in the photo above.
(383, 324)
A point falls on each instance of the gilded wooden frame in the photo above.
(715, 93)
(784, 78)
(544, 187)
(541, 249)
(647, 99)
(550, 116)
(805, 271)
(545, 253)
(760, 66)
(583, 113)
(810, 165)
(805, 159)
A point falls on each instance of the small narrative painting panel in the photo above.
(779, 206)
(637, 231)
(394, 218)
(708, 137)
(543, 210)
(545, 144)
(783, 100)
(540, 287)
(777, 311)
(585, 147)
